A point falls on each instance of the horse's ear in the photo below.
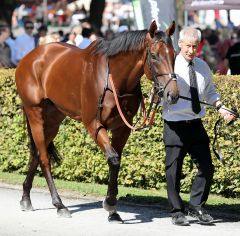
(171, 29)
(152, 29)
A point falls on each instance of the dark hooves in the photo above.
(115, 218)
(26, 205)
(64, 212)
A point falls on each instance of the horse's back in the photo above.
(30, 70)
(62, 73)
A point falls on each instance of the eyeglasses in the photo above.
(29, 27)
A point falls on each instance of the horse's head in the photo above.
(159, 62)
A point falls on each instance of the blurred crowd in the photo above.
(215, 47)
(60, 15)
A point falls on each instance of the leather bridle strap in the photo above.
(145, 119)
(157, 85)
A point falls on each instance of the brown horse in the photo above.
(59, 80)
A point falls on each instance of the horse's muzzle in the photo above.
(172, 98)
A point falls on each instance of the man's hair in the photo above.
(190, 33)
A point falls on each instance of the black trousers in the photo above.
(181, 138)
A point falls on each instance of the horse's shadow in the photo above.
(148, 211)
(142, 214)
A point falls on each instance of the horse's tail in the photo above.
(52, 151)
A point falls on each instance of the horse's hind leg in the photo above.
(43, 131)
(25, 202)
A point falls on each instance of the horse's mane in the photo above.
(126, 41)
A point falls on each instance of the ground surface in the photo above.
(90, 219)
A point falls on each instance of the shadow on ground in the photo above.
(148, 208)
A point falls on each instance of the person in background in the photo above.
(5, 50)
(222, 47)
(86, 33)
(184, 131)
(71, 38)
(204, 51)
(78, 31)
(42, 32)
(11, 43)
(25, 43)
(54, 37)
(232, 60)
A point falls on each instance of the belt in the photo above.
(186, 122)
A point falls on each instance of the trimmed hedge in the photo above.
(143, 157)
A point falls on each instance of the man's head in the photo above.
(28, 26)
(189, 39)
(4, 32)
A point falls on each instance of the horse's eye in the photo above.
(154, 56)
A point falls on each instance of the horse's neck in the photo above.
(127, 69)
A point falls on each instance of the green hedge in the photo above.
(143, 156)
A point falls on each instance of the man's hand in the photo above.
(227, 115)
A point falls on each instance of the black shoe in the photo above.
(180, 219)
(201, 215)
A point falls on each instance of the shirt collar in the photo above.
(184, 61)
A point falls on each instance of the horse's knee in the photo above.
(113, 159)
(114, 162)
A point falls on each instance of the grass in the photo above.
(132, 195)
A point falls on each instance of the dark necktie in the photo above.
(194, 89)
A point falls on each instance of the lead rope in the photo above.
(146, 121)
(218, 152)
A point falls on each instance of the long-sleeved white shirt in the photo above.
(182, 110)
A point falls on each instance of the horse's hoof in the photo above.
(108, 207)
(64, 212)
(26, 205)
(115, 218)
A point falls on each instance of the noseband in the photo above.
(158, 87)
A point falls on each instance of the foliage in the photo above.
(143, 156)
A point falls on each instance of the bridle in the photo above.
(159, 88)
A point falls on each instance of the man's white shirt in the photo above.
(182, 110)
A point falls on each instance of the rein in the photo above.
(147, 121)
(148, 118)
(159, 89)
(218, 152)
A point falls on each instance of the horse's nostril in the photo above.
(172, 98)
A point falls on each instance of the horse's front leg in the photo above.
(113, 154)
(119, 139)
